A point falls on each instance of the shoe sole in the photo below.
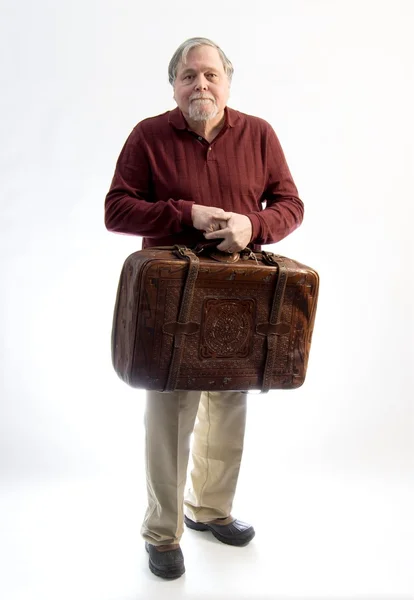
(165, 574)
(224, 540)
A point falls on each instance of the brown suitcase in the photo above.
(205, 320)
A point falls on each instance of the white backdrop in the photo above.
(335, 80)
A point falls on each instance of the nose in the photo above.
(200, 83)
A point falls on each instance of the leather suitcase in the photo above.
(205, 320)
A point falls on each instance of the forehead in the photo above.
(200, 58)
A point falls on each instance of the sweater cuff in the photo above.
(186, 207)
(256, 227)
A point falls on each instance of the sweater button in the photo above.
(210, 148)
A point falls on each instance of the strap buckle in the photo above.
(180, 251)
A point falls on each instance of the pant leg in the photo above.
(169, 422)
(216, 453)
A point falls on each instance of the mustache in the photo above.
(200, 97)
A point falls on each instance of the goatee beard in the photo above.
(198, 112)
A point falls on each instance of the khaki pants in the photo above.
(216, 453)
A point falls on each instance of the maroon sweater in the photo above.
(165, 167)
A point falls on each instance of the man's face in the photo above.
(201, 88)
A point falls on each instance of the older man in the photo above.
(201, 171)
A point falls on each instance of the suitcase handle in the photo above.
(220, 256)
(210, 248)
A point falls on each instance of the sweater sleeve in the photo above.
(284, 209)
(130, 206)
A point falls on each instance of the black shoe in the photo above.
(168, 564)
(236, 533)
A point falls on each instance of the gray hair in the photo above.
(180, 55)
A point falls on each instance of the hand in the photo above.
(237, 233)
(209, 218)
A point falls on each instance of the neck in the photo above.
(208, 129)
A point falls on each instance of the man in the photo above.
(200, 172)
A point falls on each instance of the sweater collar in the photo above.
(177, 120)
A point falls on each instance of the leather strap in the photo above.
(275, 314)
(183, 316)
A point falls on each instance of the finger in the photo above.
(221, 215)
(213, 235)
(216, 225)
(224, 247)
